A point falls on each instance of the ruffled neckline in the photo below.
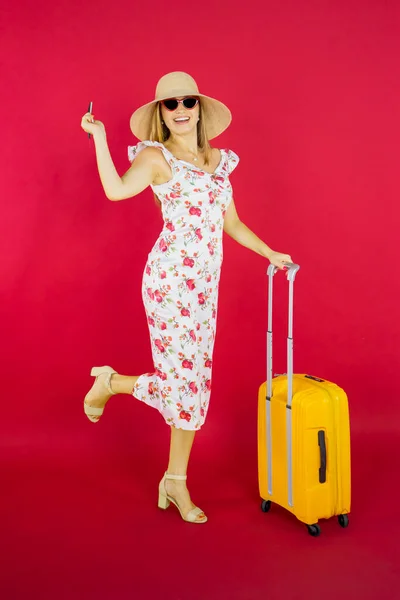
(191, 165)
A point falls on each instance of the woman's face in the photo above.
(182, 120)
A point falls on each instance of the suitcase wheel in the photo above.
(265, 505)
(314, 530)
(343, 520)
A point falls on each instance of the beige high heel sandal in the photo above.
(92, 411)
(164, 500)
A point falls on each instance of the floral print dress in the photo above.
(180, 288)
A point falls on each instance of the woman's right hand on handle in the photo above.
(90, 125)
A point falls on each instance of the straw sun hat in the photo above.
(216, 115)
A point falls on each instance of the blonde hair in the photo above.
(159, 132)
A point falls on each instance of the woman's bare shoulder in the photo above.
(154, 157)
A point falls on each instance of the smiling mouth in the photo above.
(181, 120)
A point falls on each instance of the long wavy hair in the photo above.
(159, 132)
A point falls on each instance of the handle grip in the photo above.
(291, 272)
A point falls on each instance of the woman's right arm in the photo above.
(140, 175)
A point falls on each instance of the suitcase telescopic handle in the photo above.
(291, 272)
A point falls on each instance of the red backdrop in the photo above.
(314, 91)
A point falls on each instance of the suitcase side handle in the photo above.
(322, 452)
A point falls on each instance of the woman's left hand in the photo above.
(278, 259)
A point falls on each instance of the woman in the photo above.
(180, 282)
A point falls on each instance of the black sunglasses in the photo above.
(172, 103)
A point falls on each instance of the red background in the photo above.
(314, 91)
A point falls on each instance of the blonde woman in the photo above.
(190, 180)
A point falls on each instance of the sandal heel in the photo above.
(163, 501)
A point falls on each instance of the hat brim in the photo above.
(216, 115)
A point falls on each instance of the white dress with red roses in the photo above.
(180, 288)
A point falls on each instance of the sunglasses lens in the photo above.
(190, 102)
(170, 104)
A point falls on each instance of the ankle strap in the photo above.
(178, 477)
(107, 383)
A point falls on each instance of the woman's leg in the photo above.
(179, 451)
(123, 384)
(181, 445)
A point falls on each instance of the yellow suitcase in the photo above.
(303, 437)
